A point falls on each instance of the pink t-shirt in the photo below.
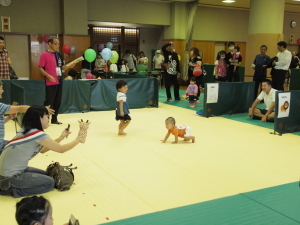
(48, 62)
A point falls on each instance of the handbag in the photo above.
(62, 175)
(12, 74)
(197, 71)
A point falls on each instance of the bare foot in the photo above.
(193, 140)
(121, 133)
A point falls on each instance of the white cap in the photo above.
(157, 51)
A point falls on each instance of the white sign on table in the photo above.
(284, 101)
(212, 93)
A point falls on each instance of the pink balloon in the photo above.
(45, 38)
(89, 76)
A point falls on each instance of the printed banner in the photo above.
(284, 101)
(212, 93)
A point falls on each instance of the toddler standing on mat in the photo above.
(122, 110)
(192, 91)
(178, 131)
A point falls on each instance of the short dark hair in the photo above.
(222, 52)
(193, 79)
(264, 46)
(32, 209)
(121, 83)
(31, 119)
(237, 48)
(195, 51)
(1, 38)
(141, 52)
(127, 51)
(171, 120)
(230, 43)
(282, 43)
(72, 73)
(51, 39)
(269, 82)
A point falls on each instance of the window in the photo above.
(122, 38)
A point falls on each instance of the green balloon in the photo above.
(90, 55)
(115, 57)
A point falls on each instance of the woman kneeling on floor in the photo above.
(16, 178)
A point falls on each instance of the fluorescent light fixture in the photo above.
(228, 1)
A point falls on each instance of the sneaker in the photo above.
(200, 112)
(169, 100)
(198, 101)
(192, 106)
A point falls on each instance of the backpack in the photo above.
(62, 175)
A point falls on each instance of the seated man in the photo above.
(141, 68)
(268, 95)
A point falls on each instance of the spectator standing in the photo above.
(158, 60)
(131, 59)
(51, 66)
(220, 70)
(143, 57)
(4, 60)
(260, 66)
(281, 65)
(172, 71)
(294, 61)
(232, 73)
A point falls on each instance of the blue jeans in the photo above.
(31, 181)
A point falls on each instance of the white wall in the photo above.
(129, 11)
(216, 24)
(150, 39)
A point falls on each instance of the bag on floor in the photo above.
(62, 175)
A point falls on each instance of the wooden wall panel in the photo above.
(37, 46)
(208, 50)
(80, 42)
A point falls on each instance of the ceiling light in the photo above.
(230, 1)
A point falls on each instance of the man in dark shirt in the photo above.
(86, 67)
(260, 66)
(172, 71)
(295, 61)
(232, 73)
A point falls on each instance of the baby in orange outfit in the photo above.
(178, 131)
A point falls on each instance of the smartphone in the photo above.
(67, 130)
(73, 220)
